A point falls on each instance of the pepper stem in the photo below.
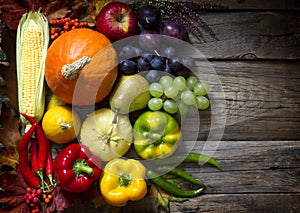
(154, 137)
(43, 183)
(124, 179)
(52, 181)
(81, 168)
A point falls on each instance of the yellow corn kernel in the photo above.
(32, 46)
(31, 55)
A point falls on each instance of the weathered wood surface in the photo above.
(262, 100)
(257, 176)
(252, 35)
(257, 62)
(248, 4)
(256, 4)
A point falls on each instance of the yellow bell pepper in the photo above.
(122, 181)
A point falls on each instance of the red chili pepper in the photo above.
(75, 168)
(41, 140)
(34, 155)
(49, 165)
(42, 157)
(30, 178)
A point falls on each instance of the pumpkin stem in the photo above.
(70, 71)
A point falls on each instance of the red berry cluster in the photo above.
(59, 26)
(34, 198)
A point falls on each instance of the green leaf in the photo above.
(163, 198)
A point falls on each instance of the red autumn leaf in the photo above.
(12, 10)
(12, 192)
(9, 136)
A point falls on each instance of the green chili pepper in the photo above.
(189, 158)
(171, 188)
(179, 173)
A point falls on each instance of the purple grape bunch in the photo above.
(153, 13)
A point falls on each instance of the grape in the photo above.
(127, 52)
(175, 64)
(156, 90)
(170, 106)
(149, 17)
(138, 51)
(183, 108)
(202, 102)
(184, 72)
(153, 76)
(170, 52)
(168, 70)
(148, 40)
(174, 29)
(147, 57)
(180, 83)
(142, 64)
(200, 88)
(155, 104)
(157, 63)
(171, 91)
(166, 81)
(191, 81)
(188, 97)
(128, 67)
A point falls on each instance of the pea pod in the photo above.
(170, 187)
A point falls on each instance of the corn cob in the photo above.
(32, 45)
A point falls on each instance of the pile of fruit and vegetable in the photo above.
(99, 120)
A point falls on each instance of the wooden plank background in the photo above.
(257, 62)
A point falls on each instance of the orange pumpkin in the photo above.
(81, 67)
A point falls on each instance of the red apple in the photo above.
(116, 21)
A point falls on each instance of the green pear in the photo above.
(130, 94)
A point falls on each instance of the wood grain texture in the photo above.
(252, 35)
(262, 99)
(257, 176)
(9, 73)
(256, 4)
(224, 203)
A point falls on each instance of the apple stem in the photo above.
(70, 71)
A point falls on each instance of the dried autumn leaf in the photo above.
(99, 4)
(61, 13)
(11, 13)
(63, 199)
(12, 10)
(9, 136)
(163, 198)
(12, 192)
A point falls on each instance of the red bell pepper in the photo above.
(75, 168)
